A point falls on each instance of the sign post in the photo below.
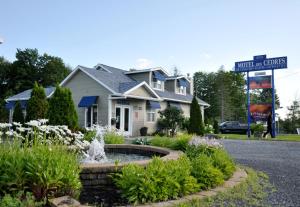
(261, 62)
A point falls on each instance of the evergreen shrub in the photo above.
(18, 115)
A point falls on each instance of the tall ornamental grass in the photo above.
(44, 170)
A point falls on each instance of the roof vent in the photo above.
(132, 69)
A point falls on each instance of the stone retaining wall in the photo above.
(96, 178)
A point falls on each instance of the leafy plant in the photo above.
(111, 137)
(180, 142)
(89, 135)
(62, 109)
(160, 180)
(196, 122)
(223, 161)
(18, 115)
(21, 199)
(41, 169)
(141, 141)
(206, 174)
(37, 104)
(171, 118)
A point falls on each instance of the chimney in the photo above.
(191, 83)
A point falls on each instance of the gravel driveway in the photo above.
(280, 160)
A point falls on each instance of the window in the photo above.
(157, 84)
(150, 115)
(91, 116)
(181, 90)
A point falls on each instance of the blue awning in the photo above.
(159, 76)
(11, 104)
(183, 83)
(153, 104)
(87, 101)
(176, 105)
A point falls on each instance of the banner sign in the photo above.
(258, 82)
(260, 112)
(261, 62)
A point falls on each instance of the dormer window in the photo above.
(159, 85)
(158, 81)
(182, 85)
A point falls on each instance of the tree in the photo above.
(224, 91)
(293, 118)
(28, 68)
(37, 104)
(62, 109)
(196, 123)
(171, 118)
(18, 115)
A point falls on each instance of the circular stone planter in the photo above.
(97, 184)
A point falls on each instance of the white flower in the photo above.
(5, 125)
(17, 124)
(197, 141)
(33, 123)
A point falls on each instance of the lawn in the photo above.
(288, 137)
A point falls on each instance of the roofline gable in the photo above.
(139, 85)
(178, 77)
(147, 70)
(79, 68)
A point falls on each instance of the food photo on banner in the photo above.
(259, 82)
(259, 112)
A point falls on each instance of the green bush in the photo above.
(206, 174)
(37, 104)
(223, 161)
(89, 135)
(21, 199)
(180, 142)
(113, 138)
(170, 119)
(216, 127)
(160, 180)
(219, 157)
(196, 122)
(41, 169)
(62, 110)
(18, 115)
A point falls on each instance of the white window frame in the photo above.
(181, 90)
(150, 115)
(158, 84)
(85, 115)
(122, 114)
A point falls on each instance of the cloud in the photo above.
(143, 63)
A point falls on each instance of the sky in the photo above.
(193, 35)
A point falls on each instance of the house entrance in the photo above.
(123, 119)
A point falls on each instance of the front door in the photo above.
(123, 119)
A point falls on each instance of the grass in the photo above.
(289, 137)
(252, 192)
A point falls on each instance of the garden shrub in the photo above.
(206, 174)
(18, 115)
(223, 161)
(62, 110)
(37, 104)
(196, 122)
(21, 199)
(41, 169)
(170, 119)
(111, 137)
(89, 135)
(160, 180)
(180, 142)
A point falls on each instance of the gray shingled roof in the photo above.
(187, 97)
(25, 95)
(112, 80)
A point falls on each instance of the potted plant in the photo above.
(143, 131)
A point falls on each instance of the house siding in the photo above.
(140, 77)
(141, 91)
(170, 85)
(82, 85)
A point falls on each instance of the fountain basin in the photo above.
(97, 184)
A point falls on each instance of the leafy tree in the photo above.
(293, 118)
(29, 67)
(37, 104)
(18, 115)
(171, 118)
(224, 91)
(196, 123)
(62, 109)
